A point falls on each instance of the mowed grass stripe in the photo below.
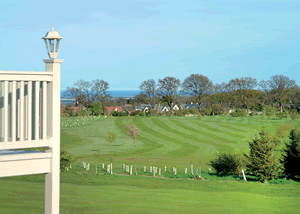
(211, 134)
(203, 149)
(208, 136)
(166, 127)
(185, 148)
(218, 130)
(148, 145)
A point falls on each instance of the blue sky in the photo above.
(126, 42)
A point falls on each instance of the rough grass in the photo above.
(163, 141)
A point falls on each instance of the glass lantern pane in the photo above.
(51, 44)
(57, 45)
(46, 43)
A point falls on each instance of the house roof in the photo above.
(114, 108)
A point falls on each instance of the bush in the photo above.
(281, 115)
(228, 164)
(66, 158)
(141, 113)
(96, 108)
(134, 113)
(199, 116)
(294, 114)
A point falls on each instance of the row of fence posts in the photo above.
(152, 169)
(128, 169)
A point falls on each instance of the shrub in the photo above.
(141, 113)
(294, 114)
(281, 115)
(199, 116)
(66, 158)
(134, 113)
(96, 108)
(228, 164)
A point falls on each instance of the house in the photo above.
(191, 105)
(75, 109)
(111, 109)
(137, 108)
(176, 107)
(162, 109)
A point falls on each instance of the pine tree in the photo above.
(261, 160)
(291, 158)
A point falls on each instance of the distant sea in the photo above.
(125, 94)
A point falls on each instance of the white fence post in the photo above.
(52, 179)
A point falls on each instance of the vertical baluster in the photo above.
(37, 88)
(18, 102)
(29, 121)
(49, 109)
(13, 103)
(5, 125)
(2, 110)
(26, 110)
(22, 111)
(44, 110)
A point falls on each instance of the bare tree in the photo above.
(100, 92)
(148, 87)
(243, 91)
(97, 155)
(87, 92)
(278, 85)
(197, 85)
(167, 90)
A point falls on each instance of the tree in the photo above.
(148, 88)
(132, 132)
(278, 86)
(66, 158)
(111, 137)
(141, 98)
(167, 90)
(120, 101)
(87, 92)
(96, 108)
(243, 90)
(197, 85)
(261, 160)
(291, 158)
(97, 155)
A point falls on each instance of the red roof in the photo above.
(114, 108)
(75, 109)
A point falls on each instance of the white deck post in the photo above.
(52, 179)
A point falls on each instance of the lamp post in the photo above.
(52, 42)
(52, 179)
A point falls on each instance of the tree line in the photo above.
(242, 93)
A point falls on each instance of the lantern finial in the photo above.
(52, 29)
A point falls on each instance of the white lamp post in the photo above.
(52, 41)
(52, 179)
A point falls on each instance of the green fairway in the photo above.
(162, 141)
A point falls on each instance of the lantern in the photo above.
(52, 41)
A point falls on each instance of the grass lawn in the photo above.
(162, 141)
